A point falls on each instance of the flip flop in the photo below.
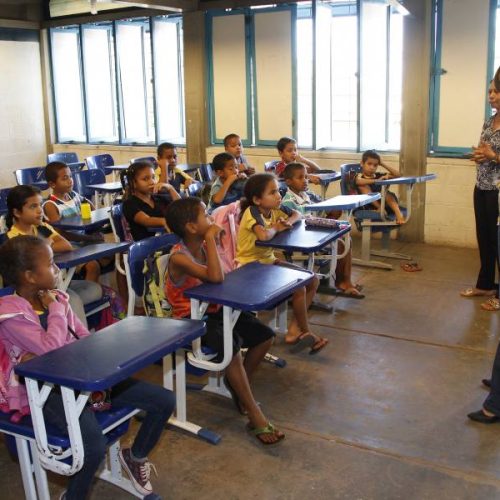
(269, 429)
(349, 293)
(303, 341)
(410, 267)
(318, 346)
(474, 292)
(492, 304)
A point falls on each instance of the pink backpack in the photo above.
(228, 217)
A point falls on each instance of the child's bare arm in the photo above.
(294, 217)
(145, 220)
(311, 165)
(60, 244)
(165, 187)
(211, 272)
(392, 171)
(219, 196)
(362, 181)
(163, 170)
(51, 212)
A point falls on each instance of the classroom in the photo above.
(157, 156)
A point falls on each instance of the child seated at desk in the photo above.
(297, 197)
(25, 217)
(37, 320)
(228, 186)
(195, 260)
(233, 146)
(142, 209)
(64, 203)
(287, 149)
(369, 175)
(262, 218)
(167, 170)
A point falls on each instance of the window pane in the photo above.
(67, 85)
(304, 81)
(168, 65)
(344, 85)
(135, 81)
(395, 81)
(100, 83)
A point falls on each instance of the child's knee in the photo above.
(313, 285)
(299, 293)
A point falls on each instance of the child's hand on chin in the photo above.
(213, 231)
(47, 297)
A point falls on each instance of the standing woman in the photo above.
(487, 157)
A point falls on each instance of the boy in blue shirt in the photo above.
(297, 197)
(228, 186)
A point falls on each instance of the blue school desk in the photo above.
(98, 219)
(345, 203)
(68, 261)
(301, 238)
(114, 169)
(253, 287)
(108, 189)
(94, 363)
(326, 177)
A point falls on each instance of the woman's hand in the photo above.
(46, 297)
(482, 153)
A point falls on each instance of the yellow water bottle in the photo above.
(86, 210)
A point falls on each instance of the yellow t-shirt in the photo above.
(44, 230)
(246, 250)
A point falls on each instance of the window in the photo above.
(68, 96)
(107, 89)
(463, 31)
(168, 71)
(100, 88)
(334, 42)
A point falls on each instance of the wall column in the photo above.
(415, 97)
(195, 78)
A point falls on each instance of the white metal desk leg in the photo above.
(26, 472)
(96, 197)
(42, 485)
(168, 373)
(180, 419)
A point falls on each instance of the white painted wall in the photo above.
(22, 130)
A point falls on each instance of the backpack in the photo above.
(154, 299)
(228, 217)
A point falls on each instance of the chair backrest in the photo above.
(205, 172)
(194, 189)
(3, 200)
(270, 166)
(139, 251)
(85, 177)
(99, 162)
(151, 159)
(31, 175)
(119, 225)
(347, 181)
(64, 157)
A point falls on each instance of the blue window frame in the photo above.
(461, 31)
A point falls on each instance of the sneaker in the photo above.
(138, 472)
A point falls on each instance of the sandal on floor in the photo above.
(268, 430)
(492, 304)
(349, 293)
(474, 292)
(318, 346)
(410, 267)
(234, 397)
(303, 341)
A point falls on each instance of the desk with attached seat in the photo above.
(98, 219)
(94, 363)
(108, 189)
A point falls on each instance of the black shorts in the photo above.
(248, 332)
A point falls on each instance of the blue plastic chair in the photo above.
(270, 166)
(86, 177)
(151, 159)
(194, 189)
(3, 200)
(71, 159)
(368, 221)
(99, 162)
(31, 176)
(206, 173)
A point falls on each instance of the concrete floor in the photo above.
(380, 414)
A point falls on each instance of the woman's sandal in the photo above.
(492, 304)
(474, 292)
(410, 267)
(268, 430)
(307, 340)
